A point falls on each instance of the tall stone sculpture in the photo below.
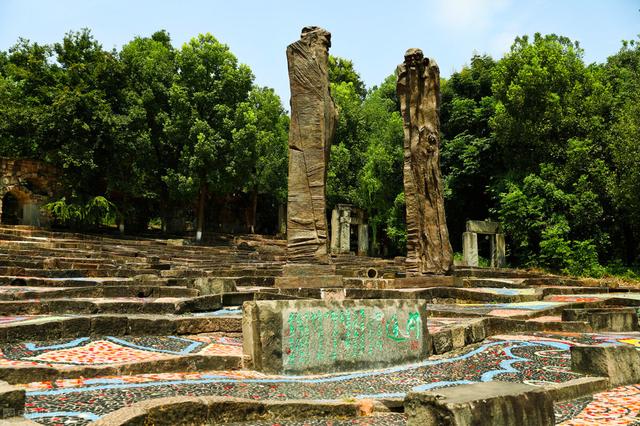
(418, 87)
(313, 122)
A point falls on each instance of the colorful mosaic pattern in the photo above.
(620, 406)
(114, 350)
(534, 361)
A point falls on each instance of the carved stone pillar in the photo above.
(313, 121)
(418, 87)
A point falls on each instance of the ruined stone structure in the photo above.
(470, 243)
(344, 218)
(418, 87)
(24, 187)
(313, 121)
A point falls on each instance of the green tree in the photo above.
(203, 100)
(470, 157)
(150, 69)
(27, 88)
(262, 129)
(621, 78)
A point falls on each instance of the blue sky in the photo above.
(374, 34)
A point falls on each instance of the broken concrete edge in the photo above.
(183, 363)
(219, 410)
(12, 400)
(118, 325)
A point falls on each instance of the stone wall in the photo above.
(327, 336)
(32, 183)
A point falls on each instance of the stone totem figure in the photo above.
(418, 88)
(313, 122)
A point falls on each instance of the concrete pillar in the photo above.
(470, 248)
(282, 219)
(500, 251)
(335, 231)
(345, 231)
(31, 214)
(363, 239)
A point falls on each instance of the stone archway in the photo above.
(11, 209)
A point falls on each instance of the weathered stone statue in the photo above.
(418, 87)
(313, 121)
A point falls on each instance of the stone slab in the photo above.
(605, 319)
(479, 404)
(320, 281)
(424, 282)
(621, 364)
(483, 227)
(313, 336)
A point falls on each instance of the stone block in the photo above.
(621, 364)
(11, 401)
(320, 281)
(605, 319)
(210, 302)
(483, 227)
(213, 285)
(307, 269)
(475, 332)
(470, 248)
(308, 336)
(480, 404)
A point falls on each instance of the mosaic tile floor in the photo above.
(114, 350)
(620, 406)
(533, 360)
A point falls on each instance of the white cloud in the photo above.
(468, 14)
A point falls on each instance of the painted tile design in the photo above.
(534, 361)
(114, 350)
(620, 406)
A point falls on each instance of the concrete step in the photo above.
(140, 291)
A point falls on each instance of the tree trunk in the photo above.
(201, 203)
(254, 211)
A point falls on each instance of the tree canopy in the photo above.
(537, 139)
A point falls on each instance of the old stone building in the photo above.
(25, 186)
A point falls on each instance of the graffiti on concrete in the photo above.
(323, 336)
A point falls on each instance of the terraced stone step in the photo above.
(123, 305)
(76, 273)
(24, 293)
(25, 281)
(67, 326)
